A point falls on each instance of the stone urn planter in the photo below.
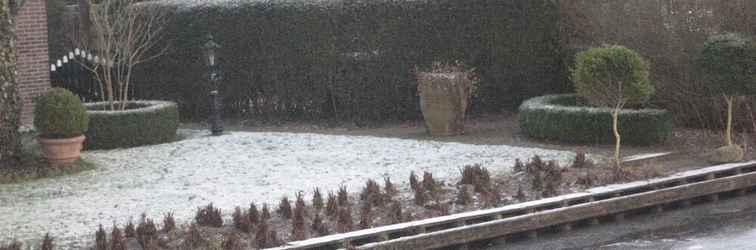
(62, 121)
(444, 97)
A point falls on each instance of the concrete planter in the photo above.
(443, 100)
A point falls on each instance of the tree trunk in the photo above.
(617, 138)
(728, 128)
(9, 102)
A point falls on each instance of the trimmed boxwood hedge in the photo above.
(561, 118)
(142, 123)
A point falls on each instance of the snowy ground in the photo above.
(229, 170)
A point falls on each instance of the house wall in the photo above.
(33, 66)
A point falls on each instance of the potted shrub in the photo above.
(728, 63)
(612, 77)
(445, 90)
(61, 120)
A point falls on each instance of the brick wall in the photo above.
(33, 64)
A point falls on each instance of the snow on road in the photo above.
(229, 170)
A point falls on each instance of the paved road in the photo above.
(729, 224)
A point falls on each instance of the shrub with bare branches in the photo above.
(209, 216)
(284, 208)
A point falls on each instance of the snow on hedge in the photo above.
(146, 106)
(229, 170)
(546, 102)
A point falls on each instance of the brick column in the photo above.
(33, 64)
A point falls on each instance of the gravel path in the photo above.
(229, 170)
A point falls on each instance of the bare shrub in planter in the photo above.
(445, 90)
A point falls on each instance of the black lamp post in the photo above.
(211, 59)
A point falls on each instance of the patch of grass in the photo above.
(32, 166)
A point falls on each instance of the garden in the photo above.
(248, 125)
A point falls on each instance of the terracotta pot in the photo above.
(61, 152)
(443, 101)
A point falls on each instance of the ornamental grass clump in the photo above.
(14, 245)
(101, 239)
(317, 200)
(47, 242)
(389, 187)
(372, 193)
(477, 176)
(318, 226)
(147, 233)
(612, 76)
(728, 64)
(265, 214)
(366, 220)
(413, 180)
(169, 223)
(284, 208)
(343, 196)
(253, 214)
(241, 220)
(129, 231)
(209, 216)
(193, 237)
(231, 242)
(117, 239)
(344, 223)
(332, 206)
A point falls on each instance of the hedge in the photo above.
(562, 118)
(141, 123)
(352, 59)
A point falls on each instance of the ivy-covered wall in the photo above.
(9, 108)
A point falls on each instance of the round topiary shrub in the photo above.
(612, 76)
(141, 123)
(564, 118)
(60, 114)
(728, 64)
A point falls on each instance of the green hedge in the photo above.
(564, 119)
(352, 60)
(142, 123)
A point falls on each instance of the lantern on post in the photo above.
(211, 60)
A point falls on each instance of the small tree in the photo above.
(125, 33)
(728, 62)
(612, 76)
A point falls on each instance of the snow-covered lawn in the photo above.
(229, 170)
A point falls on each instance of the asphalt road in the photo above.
(728, 224)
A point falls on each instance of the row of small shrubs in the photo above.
(142, 123)
(352, 60)
(563, 118)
